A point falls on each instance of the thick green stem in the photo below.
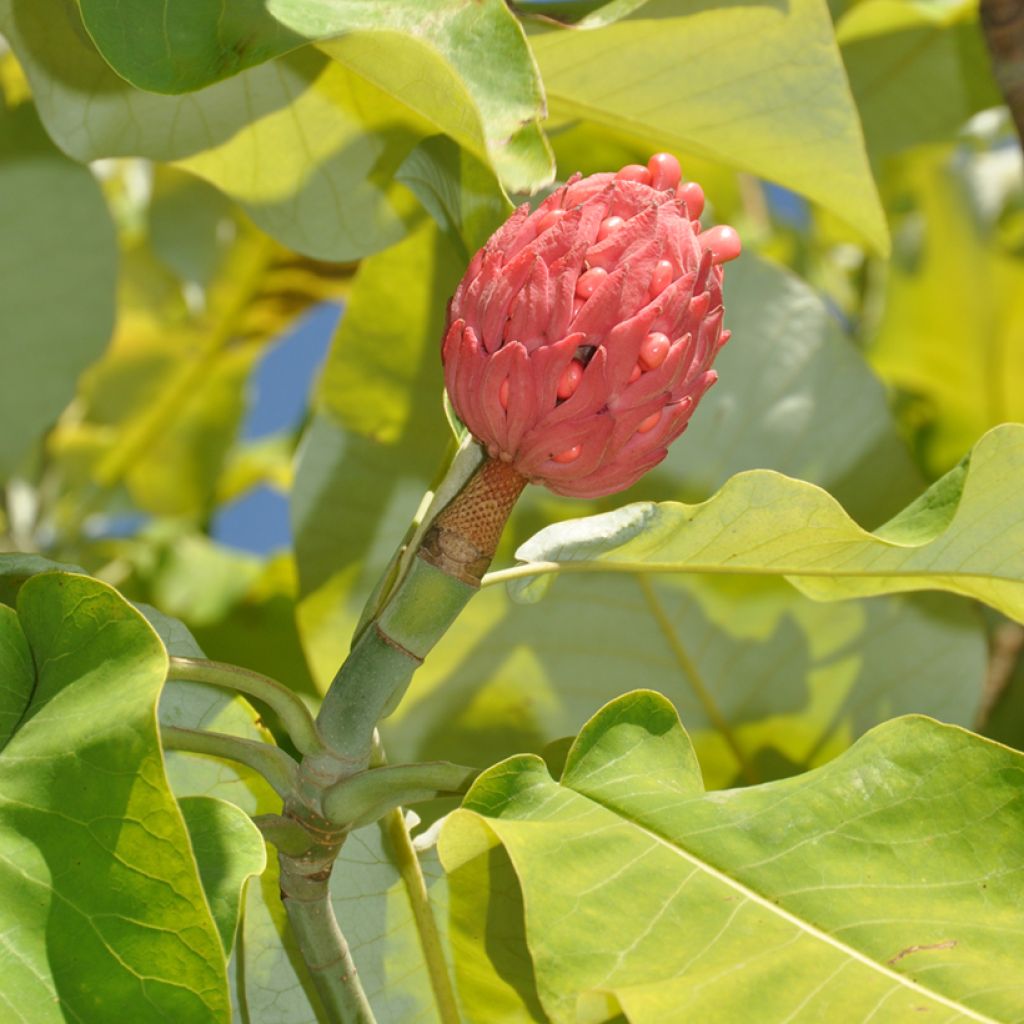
(270, 762)
(365, 797)
(455, 552)
(305, 892)
(296, 719)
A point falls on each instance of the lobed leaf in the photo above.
(880, 886)
(965, 535)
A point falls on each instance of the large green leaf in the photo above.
(882, 886)
(964, 535)
(102, 906)
(420, 43)
(758, 87)
(58, 268)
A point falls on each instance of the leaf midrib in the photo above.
(798, 922)
(545, 568)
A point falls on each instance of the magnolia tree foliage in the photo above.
(722, 731)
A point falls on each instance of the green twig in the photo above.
(369, 795)
(271, 762)
(296, 719)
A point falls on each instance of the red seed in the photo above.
(569, 455)
(723, 242)
(635, 375)
(653, 350)
(635, 172)
(665, 170)
(503, 393)
(570, 381)
(650, 423)
(693, 196)
(588, 281)
(661, 278)
(608, 225)
(549, 220)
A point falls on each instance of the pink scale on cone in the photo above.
(549, 220)
(650, 423)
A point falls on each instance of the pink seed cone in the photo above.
(565, 292)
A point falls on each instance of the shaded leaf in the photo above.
(770, 682)
(374, 913)
(229, 850)
(793, 395)
(17, 674)
(883, 884)
(917, 71)
(459, 192)
(58, 269)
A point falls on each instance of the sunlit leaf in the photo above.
(882, 885)
(306, 144)
(85, 797)
(758, 87)
(963, 535)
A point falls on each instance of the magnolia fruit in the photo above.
(581, 337)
